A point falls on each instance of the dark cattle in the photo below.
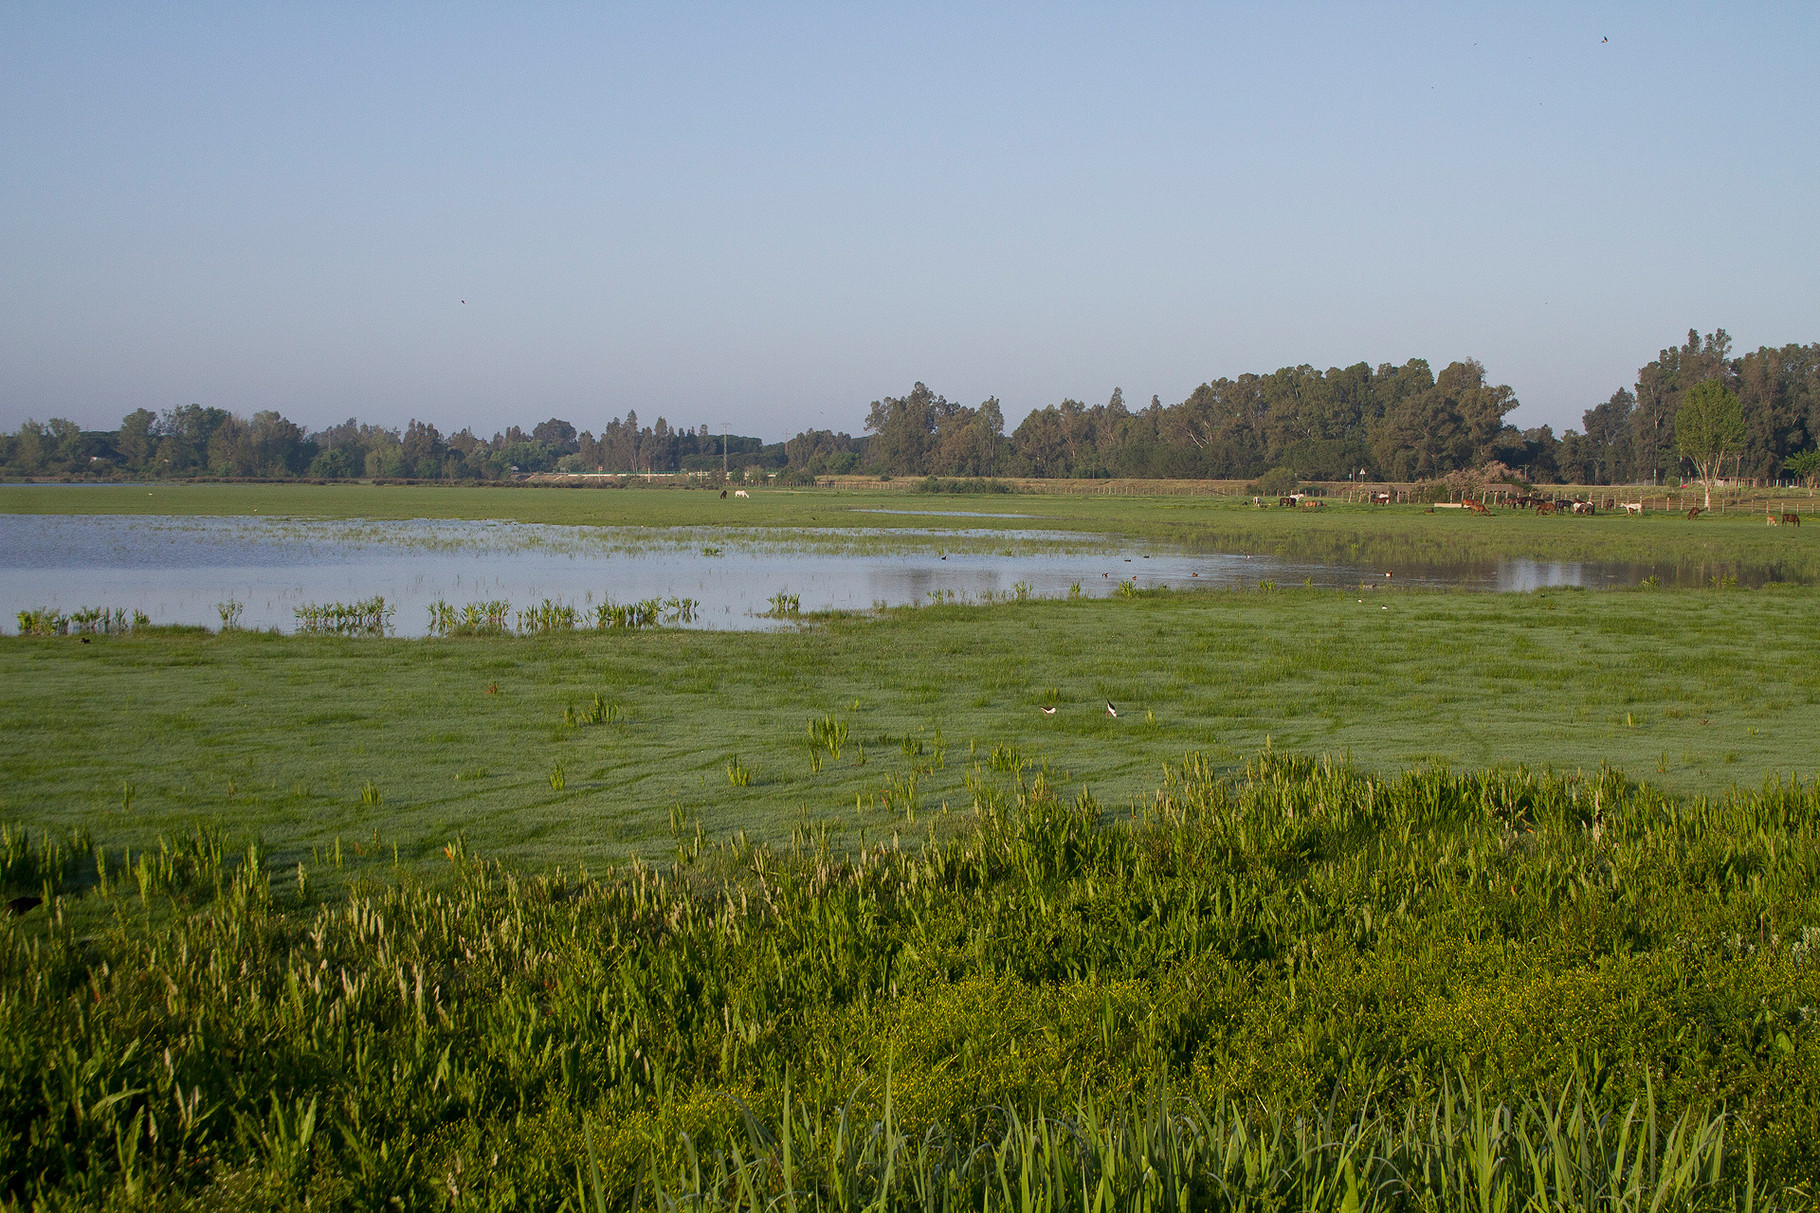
(23, 905)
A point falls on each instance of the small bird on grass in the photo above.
(1111, 711)
(1048, 711)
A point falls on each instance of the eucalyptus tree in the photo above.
(1709, 429)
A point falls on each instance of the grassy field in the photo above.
(132, 735)
(1391, 536)
(838, 917)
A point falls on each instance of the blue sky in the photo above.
(768, 216)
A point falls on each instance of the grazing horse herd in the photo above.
(1554, 505)
(1537, 502)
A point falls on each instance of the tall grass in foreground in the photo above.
(1456, 1149)
(1292, 985)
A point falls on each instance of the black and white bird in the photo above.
(1048, 711)
(1111, 711)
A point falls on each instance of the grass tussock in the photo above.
(1291, 984)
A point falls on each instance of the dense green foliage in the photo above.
(1709, 431)
(1397, 422)
(1292, 949)
(1631, 437)
(194, 441)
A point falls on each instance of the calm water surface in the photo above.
(176, 569)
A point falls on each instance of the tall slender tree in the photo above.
(1709, 429)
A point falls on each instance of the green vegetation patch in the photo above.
(1288, 985)
(277, 735)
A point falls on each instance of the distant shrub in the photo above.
(1277, 482)
(972, 484)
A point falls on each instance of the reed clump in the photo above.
(471, 619)
(546, 617)
(649, 613)
(85, 621)
(371, 617)
(1282, 985)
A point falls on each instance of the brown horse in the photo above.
(1545, 507)
(1792, 519)
(1477, 507)
(1693, 513)
(1772, 519)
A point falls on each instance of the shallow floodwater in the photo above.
(177, 569)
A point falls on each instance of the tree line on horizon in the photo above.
(1399, 423)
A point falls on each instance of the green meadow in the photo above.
(131, 735)
(1381, 899)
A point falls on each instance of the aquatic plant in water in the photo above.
(473, 619)
(99, 621)
(369, 618)
(550, 615)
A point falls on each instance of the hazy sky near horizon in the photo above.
(767, 216)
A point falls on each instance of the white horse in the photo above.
(741, 493)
